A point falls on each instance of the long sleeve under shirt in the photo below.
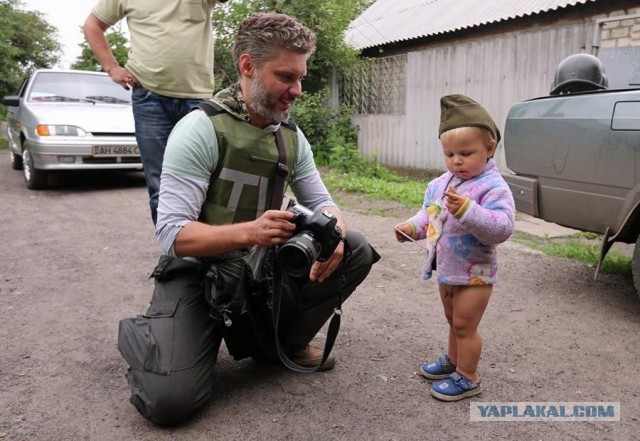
(191, 157)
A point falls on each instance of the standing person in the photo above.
(466, 212)
(170, 67)
(218, 178)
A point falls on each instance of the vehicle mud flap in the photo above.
(604, 249)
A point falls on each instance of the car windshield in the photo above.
(77, 87)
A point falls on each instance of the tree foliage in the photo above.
(119, 46)
(27, 42)
(328, 19)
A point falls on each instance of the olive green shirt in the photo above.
(171, 50)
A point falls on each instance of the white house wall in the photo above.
(384, 136)
(496, 71)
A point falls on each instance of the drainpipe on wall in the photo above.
(597, 31)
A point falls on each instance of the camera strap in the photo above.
(281, 173)
(332, 332)
(276, 203)
(334, 324)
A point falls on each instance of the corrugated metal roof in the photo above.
(389, 21)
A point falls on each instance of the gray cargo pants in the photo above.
(173, 347)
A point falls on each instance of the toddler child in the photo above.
(466, 212)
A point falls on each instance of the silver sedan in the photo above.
(70, 120)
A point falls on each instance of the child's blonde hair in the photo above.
(484, 134)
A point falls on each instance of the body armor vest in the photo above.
(243, 182)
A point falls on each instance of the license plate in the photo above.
(119, 150)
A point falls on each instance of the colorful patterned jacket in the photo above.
(464, 246)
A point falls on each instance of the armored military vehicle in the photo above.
(576, 155)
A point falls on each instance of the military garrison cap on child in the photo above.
(461, 111)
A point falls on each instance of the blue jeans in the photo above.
(155, 116)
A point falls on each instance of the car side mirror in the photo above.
(11, 100)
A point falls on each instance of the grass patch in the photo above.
(395, 188)
(588, 235)
(3, 118)
(574, 248)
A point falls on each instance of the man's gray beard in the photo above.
(262, 103)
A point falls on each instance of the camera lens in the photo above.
(297, 255)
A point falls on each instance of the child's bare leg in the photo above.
(446, 295)
(469, 304)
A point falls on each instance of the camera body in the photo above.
(315, 238)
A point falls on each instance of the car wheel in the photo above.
(635, 266)
(16, 161)
(34, 178)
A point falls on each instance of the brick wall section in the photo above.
(623, 32)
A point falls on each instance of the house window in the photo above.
(375, 86)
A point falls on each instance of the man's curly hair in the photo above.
(261, 35)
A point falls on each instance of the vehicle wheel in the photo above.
(16, 161)
(34, 178)
(635, 266)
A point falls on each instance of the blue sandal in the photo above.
(455, 387)
(439, 369)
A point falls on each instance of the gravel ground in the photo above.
(79, 257)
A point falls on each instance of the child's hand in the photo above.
(454, 201)
(403, 227)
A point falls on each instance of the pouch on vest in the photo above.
(236, 288)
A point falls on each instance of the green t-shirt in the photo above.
(171, 49)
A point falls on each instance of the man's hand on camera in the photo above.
(274, 227)
(320, 271)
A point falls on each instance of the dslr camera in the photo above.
(315, 238)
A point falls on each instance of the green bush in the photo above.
(333, 138)
(324, 126)
(334, 141)
(346, 158)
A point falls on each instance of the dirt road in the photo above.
(77, 259)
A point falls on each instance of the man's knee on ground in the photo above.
(171, 399)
